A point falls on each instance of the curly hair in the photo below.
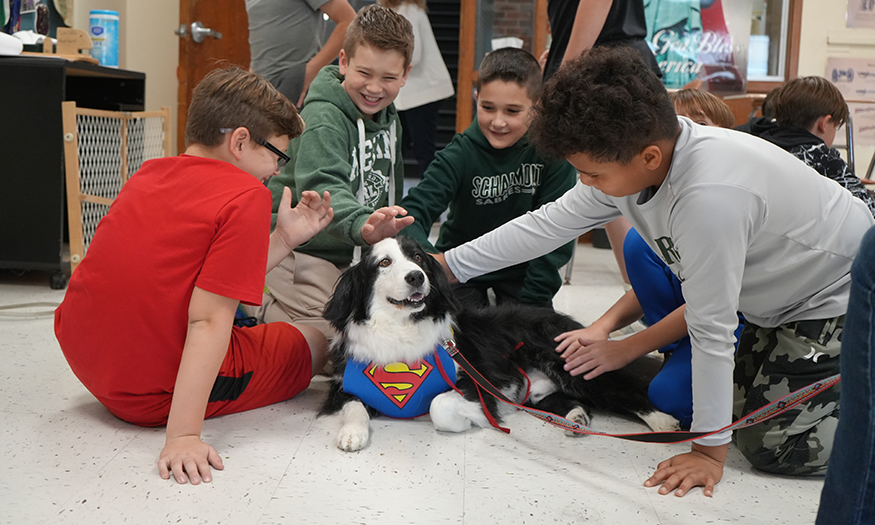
(607, 104)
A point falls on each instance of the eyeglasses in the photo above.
(282, 158)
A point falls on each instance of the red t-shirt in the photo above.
(178, 223)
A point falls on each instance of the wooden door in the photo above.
(227, 17)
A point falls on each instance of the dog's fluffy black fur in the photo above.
(403, 292)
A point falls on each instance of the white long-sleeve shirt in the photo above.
(743, 224)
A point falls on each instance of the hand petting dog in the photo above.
(385, 223)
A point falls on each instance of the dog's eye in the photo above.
(386, 262)
(417, 258)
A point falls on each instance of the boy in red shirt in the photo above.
(147, 321)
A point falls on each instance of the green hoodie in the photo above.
(326, 157)
(484, 188)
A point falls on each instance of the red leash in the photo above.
(767, 412)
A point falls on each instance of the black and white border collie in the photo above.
(396, 305)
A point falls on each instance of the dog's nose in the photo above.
(415, 278)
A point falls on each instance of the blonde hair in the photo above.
(695, 103)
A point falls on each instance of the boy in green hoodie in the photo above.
(489, 175)
(350, 148)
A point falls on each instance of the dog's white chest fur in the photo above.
(389, 338)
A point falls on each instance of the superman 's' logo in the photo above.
(399, 381)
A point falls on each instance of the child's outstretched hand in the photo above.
(702, 466)
(384, 223)
(299, 224)
(188, 455)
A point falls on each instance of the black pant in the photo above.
(419, 126)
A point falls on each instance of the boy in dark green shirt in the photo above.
(489, 175)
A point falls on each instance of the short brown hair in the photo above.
(381, 28)
(231, 97)
(800, 102)
(697, 103)
(512, 65)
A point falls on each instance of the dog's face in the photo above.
(396, 276)
(400, 279)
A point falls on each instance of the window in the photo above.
(774, 46)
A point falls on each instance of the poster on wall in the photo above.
(861, 13)
(700, 39)
(863, 118)
(855, 79)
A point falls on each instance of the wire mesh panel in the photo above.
(145, 140)
(102, 149)
(101, 154)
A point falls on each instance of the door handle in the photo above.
(197, 31)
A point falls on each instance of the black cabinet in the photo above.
(33, 217)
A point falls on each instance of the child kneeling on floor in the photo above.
(147, 321)
(744, 226)
(656, 297)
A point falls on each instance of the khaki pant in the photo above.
(298, 289)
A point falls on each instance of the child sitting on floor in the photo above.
(147, 321)
(351, 147)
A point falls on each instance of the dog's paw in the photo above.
(352, 437)
(660, 421)
(446, 413)
(580, 416)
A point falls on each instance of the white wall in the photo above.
(825, 34)
(153, 48)
(146, 44)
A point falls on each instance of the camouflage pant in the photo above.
(773, 362)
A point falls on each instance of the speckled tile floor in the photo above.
(64, 459)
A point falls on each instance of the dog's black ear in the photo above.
(351, 297)
(441, 295)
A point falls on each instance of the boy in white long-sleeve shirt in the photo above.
(744, 225)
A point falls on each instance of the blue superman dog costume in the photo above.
(400, 390)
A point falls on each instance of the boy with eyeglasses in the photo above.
(147, 323)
